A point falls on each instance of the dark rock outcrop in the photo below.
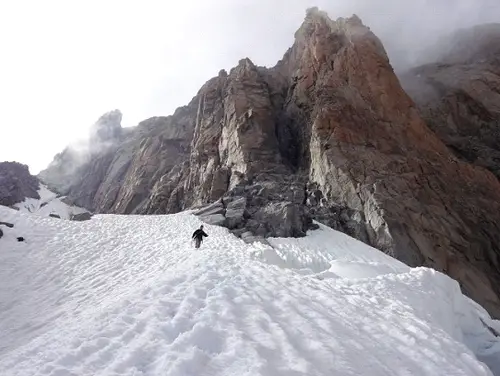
(9, 225)
(271, 207)
(86, 216)
(326, 134)
(16, 183)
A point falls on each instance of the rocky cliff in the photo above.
(327, 134)
(459, 94)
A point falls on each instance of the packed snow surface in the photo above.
(48, 203)
(130, 295)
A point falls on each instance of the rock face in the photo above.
(16, 183)
(124, 174)
(459, 95)
(327, 134)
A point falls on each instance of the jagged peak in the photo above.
(108, 127)
(314, 12)
(246, 63)
(318, 26)
(114, 116)
(315, 16)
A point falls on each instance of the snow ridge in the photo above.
(129, 295)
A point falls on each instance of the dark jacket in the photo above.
(199, 234)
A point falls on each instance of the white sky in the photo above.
(65, 63)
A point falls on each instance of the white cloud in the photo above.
(65, 63)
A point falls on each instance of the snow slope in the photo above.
(48, 203)
(129, 295)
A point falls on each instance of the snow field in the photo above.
(129, 295)
(48, 203)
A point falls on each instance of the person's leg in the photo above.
(197, 242)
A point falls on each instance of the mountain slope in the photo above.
(50, 204)
(459, 94)
(22, 191)
(327, 134)
(130, 295)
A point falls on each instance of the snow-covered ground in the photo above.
(48, 203)
(129, 295)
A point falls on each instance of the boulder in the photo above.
(215, 208)
(85, 216)
(235, 213)
(214, 219)
(249, 237)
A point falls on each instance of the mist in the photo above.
(64, 64)
(408, 29)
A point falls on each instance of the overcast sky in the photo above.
(64, 63)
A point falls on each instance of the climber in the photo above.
(198, 236)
